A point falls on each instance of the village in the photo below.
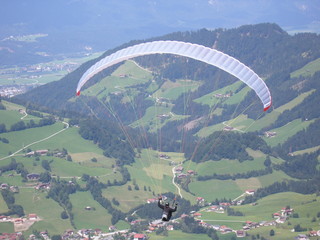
(32, 72)
(25, 222)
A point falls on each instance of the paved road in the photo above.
(41, 140)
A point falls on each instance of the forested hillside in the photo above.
(276, 56)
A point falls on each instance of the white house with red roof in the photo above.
(250, 191)
(139, 236)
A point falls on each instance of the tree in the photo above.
(295, 215)
(45, 177)
(69, 158)
(2, 128)
(46, 165)
(267, 162)
(17, 209)
(85, 177)
(272, 233)
(298, 228)
(56, 237)
(64, 215)
(115, 202)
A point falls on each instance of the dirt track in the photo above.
(19, 227)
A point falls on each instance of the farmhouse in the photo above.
(33, 176)
(179, 169)
(10, 236)
(32, 216)
(14, 189)
(270, 134)
(281, 220)
(18, 221)
(183, 216)
(197, 214)
(4, 186)
(4, 218)
(224, 204)
(276, 215)
(139, 236)
(170, 228)
(240, 233)
(313, 234)
(250, 192)
(220, 95)
(163, 116)
(165, 156)
(182, 175)
(286, 211)
(42, 186)
(152, 200)
(224, 229)
(112, 228)
(217, 209)
(200, 199)
(302, 237)
(228, 128)
(40, 152)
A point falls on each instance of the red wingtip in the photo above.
(266, 108)
(78, 93)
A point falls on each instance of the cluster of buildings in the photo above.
(96, 234)
(37, 152)
(20, 223)
(181, 174)
(269, 134)
(11, 91)
(44, 152)
(31, 72)
(11, 188)
(281, 216)
(220, 95)
(10, 236)
(26, 71)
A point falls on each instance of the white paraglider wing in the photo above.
(195, 51)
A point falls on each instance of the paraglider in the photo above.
(167, 210)
(195, 51)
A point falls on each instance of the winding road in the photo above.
(41, 140)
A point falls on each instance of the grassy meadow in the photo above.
(98, 217)
(47, 209)
(227, 166)
(127, 75)
(307, 70)
(152, 175)
(211, 100)
(6, 227)
(286, 131)
(172, 90)
(306, 206)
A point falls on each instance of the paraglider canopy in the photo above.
(195, 51)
